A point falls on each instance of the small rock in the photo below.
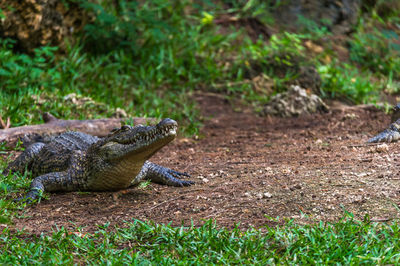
(202, 178)
(294, 102)
(318, 142)
(382, 148)
(350, 116)
(267, 195)
(297, 186)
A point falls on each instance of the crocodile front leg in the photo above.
(51, 182)
(72, 179)
(161, 175)
(390, 134)
(24, 160)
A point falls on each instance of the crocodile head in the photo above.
(120, 156)
(139, 142)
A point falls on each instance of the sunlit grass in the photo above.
(345, 242)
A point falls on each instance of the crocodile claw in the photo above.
(26, 200)
(32, 197)
(173, 176)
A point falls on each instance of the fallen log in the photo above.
(54, 126)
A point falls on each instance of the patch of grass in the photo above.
(279, 61)
(347, 83)
(312, 30)
(8, 186)
(252, 9)
(100, 78)
(377, 50)
(383, 10)
(346, 242)
(148, 81)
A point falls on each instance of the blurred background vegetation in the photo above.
(150, 58)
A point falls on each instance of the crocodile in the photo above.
(75, 161)
(392, 133)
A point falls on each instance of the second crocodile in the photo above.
(392, 133)
(75, 161)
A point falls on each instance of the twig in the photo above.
(161, 203)
(381, 219)
(212, 214)
(363, 145)
(5, 125)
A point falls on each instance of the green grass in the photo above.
(108, 83)
(346, 82)
(345, 242)
(376, 49)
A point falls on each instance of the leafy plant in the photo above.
(346, 82)
(312, 29)
(377, 50)
(21, 71)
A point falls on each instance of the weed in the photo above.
(347, 83)
(377, 50)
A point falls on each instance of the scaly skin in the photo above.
(392, 133)
(75, 161)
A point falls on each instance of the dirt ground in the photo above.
(248, 168)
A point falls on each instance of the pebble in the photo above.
(382, 148)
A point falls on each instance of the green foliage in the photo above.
(282, 49)
(128, 25)
(280, 60)
(377, 50)
(9, 185)
(312, 30)
(21, 72)
(41, 83)
(251, 9)
(382, 10)
(346, 82)
(346, 242)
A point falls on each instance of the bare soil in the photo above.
(248, 168)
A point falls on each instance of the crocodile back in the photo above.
(56, 154)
